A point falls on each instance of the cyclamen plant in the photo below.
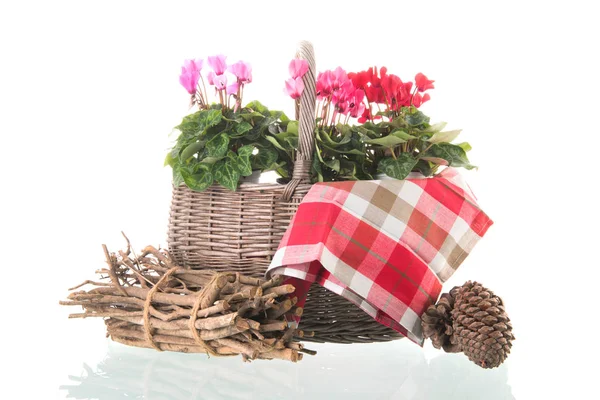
(225, 141)
(369, 122)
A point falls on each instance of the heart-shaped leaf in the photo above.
(243, 165)
(465, 146)
(265, 158)
(197, 177)
(242, 127)
(417, 118)
(397, 168)
(455, 155)
(246, 150)
(436, 127)
(444, 137)
(402, 135)
(217, 146)
(226, 174)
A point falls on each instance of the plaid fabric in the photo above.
(386, 245)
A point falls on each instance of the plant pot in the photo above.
(261, 177)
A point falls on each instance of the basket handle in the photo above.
(306, 118)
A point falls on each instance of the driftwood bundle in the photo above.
(150, 302)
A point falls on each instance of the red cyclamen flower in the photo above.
(370, 82)
(418, 100)
(423, 83)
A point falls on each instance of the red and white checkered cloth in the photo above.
(386, 245)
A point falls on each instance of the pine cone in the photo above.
(470, 319)
(437, 324)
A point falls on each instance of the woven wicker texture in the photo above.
(240, 231)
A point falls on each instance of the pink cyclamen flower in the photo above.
(194, 65)
(189, 77)
(210, 77)
(331, 82)
(217, 63)
(220, 82)
(356, 106)
(423, 83)
(298, 68)
(242, 71)
(233, 88)
(294, 87)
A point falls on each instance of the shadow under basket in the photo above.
(240, 231)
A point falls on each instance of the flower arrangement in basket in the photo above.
(357, 126)
(362, 260)
(369, 123)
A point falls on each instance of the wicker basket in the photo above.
(223, 230)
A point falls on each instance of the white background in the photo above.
(89, 93)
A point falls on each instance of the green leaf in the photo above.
(190, 150)
(318, 154)
(226, 173)
(435, 160)
(197, 177)
(455, 155)
(436, 127)
(210, 118)
(274, 142)
(367, 132)
(402, 135)
(444, 137)
(190, 125)
(465, 146)
(352, 151)
(389, 141)
(348, 170)
(325, 137)
(210, 160)
(417, 118)
(292, 127)
(242, 127)
(217, 146)
(257, 106)
(177, 178)
(249, 116)
(423, 167)
(243, 165)
(246, 150)
(292, 141)
(283, 117)
(170, 159)
(334, 165)
(397, 168)
(265, 158)
(316, 169)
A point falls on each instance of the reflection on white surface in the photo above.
(395, 370)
